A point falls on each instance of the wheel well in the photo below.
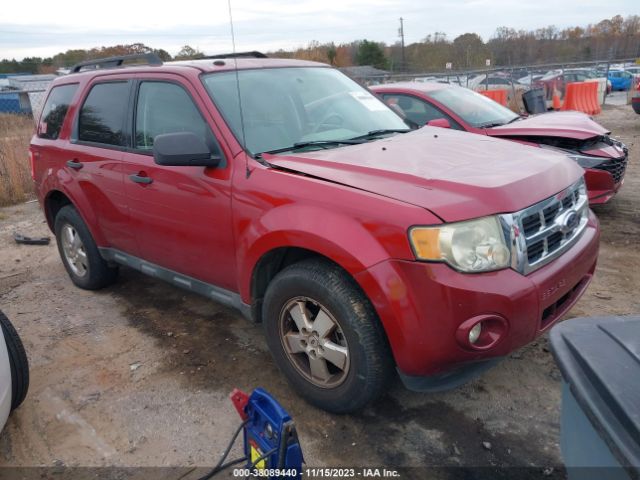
(54, 202)
(269, 265)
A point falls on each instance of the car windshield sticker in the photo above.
(369, 101)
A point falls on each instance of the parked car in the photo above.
(574, 133)
(14, 370)
(634, 69)
(514, 89)
(531, 77)
(620, 79)
(362, 247)
(635, 96)
(555, 81)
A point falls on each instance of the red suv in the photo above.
(284, 189)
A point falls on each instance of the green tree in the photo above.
(371, 53)
(470, 51)
(163, 54)
(331, 53)
(187, 53)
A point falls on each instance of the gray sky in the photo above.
(44, 28)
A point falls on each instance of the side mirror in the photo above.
(183, 149)
(439, 122)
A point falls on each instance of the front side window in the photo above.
(417, 110)
(55, 110)
(167, 108)
(475, 109)
(102, 117)
(285, 106)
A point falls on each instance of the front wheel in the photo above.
(325, 336)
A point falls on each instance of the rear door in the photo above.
(94, 158)
(181, 215)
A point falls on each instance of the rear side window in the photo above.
(102, 117)
(54, 111)
(167, 108)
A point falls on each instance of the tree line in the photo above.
(617, 37)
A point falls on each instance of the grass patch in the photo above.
(15, 172)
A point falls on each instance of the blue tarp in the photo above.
(10, 103)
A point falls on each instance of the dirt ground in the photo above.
(139, 374)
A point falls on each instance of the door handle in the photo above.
(141, 179)
(75, 164)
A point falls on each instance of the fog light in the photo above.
(474, 333)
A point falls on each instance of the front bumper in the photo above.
(422, 305)
(601, 187)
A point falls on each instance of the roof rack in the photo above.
(113, 62)
(252, 54)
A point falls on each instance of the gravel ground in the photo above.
(139, 374)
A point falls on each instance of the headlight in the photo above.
(586, 161)
(470, 246)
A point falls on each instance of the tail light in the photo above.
(32, 162)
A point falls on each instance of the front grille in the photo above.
(616, 167)
(544, 231)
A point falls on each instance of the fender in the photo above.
(337, 236)
(60, 182)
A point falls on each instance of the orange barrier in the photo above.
(582, 96)
(499, 96)
(557, 105)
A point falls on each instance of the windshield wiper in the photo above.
(313, 143)
(383, 131)
(514, 120)
(491, 124)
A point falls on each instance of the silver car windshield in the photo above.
(283, 107)
(475, 109)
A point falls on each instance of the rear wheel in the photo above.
(79, 252)
(326, 337)
(18, 362)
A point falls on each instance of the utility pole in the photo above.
(403, 65)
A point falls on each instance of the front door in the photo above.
(181, 215)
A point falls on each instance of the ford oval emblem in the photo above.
(570, 222)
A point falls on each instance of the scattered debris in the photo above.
(135, 366)
(23, 239)
(547, 471)
(602, 296)
(486, 445)
(516, 355)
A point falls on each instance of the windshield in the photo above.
(282, 107)
(475, 109)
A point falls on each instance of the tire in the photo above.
(81, 257)
(18, 362)
(326, 294)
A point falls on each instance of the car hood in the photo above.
(455, 175)
(554, 124)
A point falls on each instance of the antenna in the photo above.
(235, 65)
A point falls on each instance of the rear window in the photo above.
(102, 118)
(55, 110)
